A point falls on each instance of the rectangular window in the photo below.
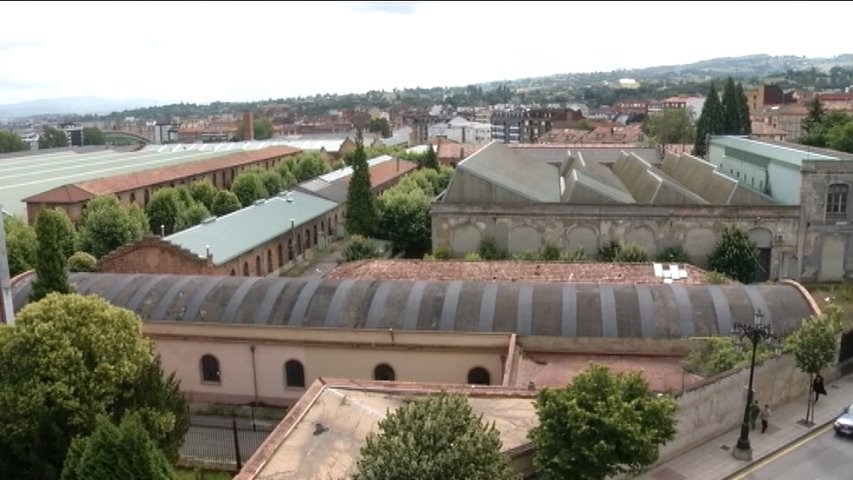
(836, 201)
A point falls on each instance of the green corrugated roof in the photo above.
(793, 155)
(515, 171)
(238, 232)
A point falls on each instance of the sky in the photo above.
(239, 51)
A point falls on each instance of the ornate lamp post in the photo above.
(744, 334)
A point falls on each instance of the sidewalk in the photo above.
(714, 460)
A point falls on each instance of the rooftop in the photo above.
(238, 232)
(32, 173)
(789, 153)
(511, 271)
(345, 411)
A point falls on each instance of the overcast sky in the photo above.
(208, 51)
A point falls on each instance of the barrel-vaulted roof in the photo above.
(527, 308)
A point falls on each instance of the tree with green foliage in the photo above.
(715, 355)
(93, 136)
(160, 404)
(404, 220)
(82, 262)
(108, 224)
(262, 127)
(272, 182)
(361, 216)
(125, 451)
(607, 252)
(734, 255)
(163, 210)
(11, 142)
(439, 436)
(224, 203)
(711, 121)
(814, 346)
(672, 126)
(51, 268)
(21, 244)
(203, 192)
(380, 125)
(301, 167)
(359, 248)
(840, 137)
(191, 216)
(743, 110)
(248, 187)
(52, 138)
(814, 115)
(64, 363)
(430, 159)
(731, 109)
(601, 425)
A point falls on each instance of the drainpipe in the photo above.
(8, 313)
(254, 373)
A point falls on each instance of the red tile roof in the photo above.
(508, 271)
(386, 172)
(65, 194)
(159, 176)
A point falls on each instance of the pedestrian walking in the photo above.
(819, 388)
(765, 417)
(754, 411)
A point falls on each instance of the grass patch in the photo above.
(839, 294)
(182, 473)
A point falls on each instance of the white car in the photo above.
(843, 425)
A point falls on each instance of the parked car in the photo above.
(843, 425)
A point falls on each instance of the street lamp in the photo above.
(744, 334)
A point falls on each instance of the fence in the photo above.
(223, 442)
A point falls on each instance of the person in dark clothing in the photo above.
(819, 388)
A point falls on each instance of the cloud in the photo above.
(15, 45)
(20, 85)
(398, 8)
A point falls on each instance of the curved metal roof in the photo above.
(549, 309)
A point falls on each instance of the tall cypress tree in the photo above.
(710, 121)
(743, 103)
(731, 109)
(51, 269)
(361, 214)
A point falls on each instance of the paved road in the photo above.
(822, 457)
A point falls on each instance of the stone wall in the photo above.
(519, 228)
(825, 246)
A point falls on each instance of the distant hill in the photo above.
(71, 106)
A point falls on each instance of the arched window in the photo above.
(210, 369)
(289, 249)
(269, 260)
(232, 272)
(146, 198)
(294, 374)
(245, 269)
(384, 372)
(258, 265)
(280, 255)
(836, 200)
(132, 197)
(478, 376)
(315, 234)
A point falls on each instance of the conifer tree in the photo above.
(51, 270)
(745, 122)
(361, 216)
(731, 109)
(710, 121)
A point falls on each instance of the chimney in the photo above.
(248, 126)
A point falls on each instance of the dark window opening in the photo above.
(479, 376)
(384, 372)
(294, 374)
(210, 369)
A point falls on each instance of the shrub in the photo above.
(608, 251)
(472, 257)
(673, 254)
(572, 255)
(716, 277)
(632, 253)
(82, 262)
(550, 252)
(442, 253)
(359, 248)
(489, 250)
(526, 256)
